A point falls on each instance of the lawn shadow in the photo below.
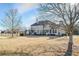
(34, 36)
(55, 37)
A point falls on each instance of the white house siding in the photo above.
(54, 31)
(60, 32)
(47, 27)
(39, 30)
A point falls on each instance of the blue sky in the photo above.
(28, 12)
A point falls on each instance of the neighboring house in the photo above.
(46, 27)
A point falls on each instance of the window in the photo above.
(55, 31)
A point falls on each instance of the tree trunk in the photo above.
(12, 33)
(71, 38)
(70, 45)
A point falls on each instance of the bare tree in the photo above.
(69, 15)
(12, 21)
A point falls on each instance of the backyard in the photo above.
(37, 46)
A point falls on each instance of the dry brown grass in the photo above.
(77, 39)
(33, 46)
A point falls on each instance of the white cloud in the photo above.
(25, 6)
